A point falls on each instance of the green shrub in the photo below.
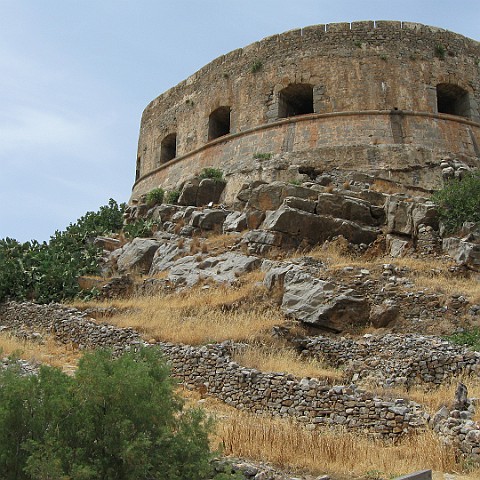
(173, 196)
(210, 172)
(262, 156)
(256, 66)
(155, 196)
(459, 201)
(470, 338)
(440, 51)
(140, 228)
(47, 272)
(117, 419)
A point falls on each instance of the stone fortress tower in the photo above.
(388, 99)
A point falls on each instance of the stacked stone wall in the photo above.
(394, 359)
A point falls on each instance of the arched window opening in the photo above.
(296, 99)
(137, 169)
(219, 123)
(168, 148)
(453, 99)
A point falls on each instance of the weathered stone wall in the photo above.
(308, 400)
(391, 359)
(374, 98)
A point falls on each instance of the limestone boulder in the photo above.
(404, 216)
(349, 208)
(384, 314)
(199, 192)
(226, 268)
(301, 225)
(270, 196)
(163, 213)
(398, 245)
(235, 222)
(137, 255)
(261, 241)
(209, 219)
(166, 255)
(321, 304)
(463, 252)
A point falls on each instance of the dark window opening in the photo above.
(296, 99)
(168, 148)
(452, 99)
(137, 170)
(219, 123)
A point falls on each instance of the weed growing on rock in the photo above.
(155, 197)
(213, 173)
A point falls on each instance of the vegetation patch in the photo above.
(48, 272)
(213, 173)
(116, 419)
(459, 201)
(155, 197)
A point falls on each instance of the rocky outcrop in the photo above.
(463, 252)
(201, 191)
(304, 226)
(322, 304)
(188, 271)
(136, 256)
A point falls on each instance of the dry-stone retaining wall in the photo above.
(308, 400)
(68, 325)
(395, 359)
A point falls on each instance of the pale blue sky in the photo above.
(77, 74)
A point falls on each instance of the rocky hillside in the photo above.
(364, 282)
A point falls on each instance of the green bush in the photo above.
(47, 272)
(262, 156)
(140, 228)
(173, 196)
(117, 419)
(256, 66)
(210, 172)
(155, 196)
(469, 338)
(459, 201)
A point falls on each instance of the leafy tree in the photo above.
(459, 201)
(117, 419)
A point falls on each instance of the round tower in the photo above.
(388, 99)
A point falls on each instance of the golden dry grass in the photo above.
(432, 399)
(278, 358)
(48, 352)
(426, 273)
(199, 315)
(434, 274)
(288, 445)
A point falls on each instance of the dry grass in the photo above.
(199, 315)
(432, 399)
(280, 358)
(288, 445)
(335, 255)
(48, 352)
(426, 273)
